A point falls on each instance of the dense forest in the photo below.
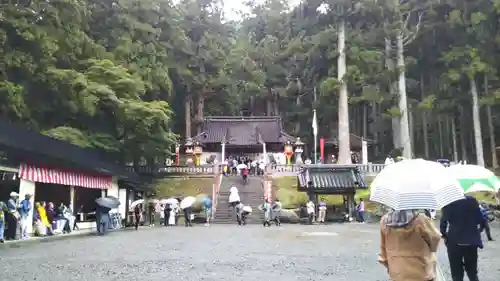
(133, 77)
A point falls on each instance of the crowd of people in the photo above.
(47, 218)
(169, 213)
(234, 166)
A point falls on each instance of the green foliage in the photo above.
(117, 75)
(62, 72)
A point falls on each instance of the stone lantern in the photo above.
(189, 145)
(299, 149)
(288, 152)
(197, 151)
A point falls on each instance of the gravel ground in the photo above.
(221, 252)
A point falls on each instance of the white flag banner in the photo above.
(315, 124)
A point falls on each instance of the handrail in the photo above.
(216, 191)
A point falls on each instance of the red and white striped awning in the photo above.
(56, 176)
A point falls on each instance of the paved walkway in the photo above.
(221, 252)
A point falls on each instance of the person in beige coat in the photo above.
(408, 245)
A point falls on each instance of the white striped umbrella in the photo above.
(415, 184)
(474, 178)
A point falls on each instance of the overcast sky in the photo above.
(232, 6)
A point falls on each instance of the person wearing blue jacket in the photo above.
(24, 212)
(486, 212)
(461, 225)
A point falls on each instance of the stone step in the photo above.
(251, 194)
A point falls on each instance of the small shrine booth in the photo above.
(326, 179)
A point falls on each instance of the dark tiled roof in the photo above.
(242, 130)
(330, 178)
(32, 146)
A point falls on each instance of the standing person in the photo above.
(234, 198)
(187, 216)
(253, 165)
(485, 212)
(310, 207)
(12, 216)
(262, 168)
(104, 219)
(433, 214)
(207, 206)
(276, 207)
(267, 213)
(24, 212)
(361, 210)
(233, 168)
(239, 213)
(167, 213)
(322, 212)
(137, 215)
(175, 214)
(151, 213)
(244, 174)
(162, 214)
(408, 246)
(461, 225)
(427, 213)
(3, 210)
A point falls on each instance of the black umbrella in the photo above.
(108, 202)
(115, 199)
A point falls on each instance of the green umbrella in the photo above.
(473, 178)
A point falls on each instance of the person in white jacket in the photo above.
(234, 198)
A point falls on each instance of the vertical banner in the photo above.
(268, 191)
(177, 151)
(322, 150)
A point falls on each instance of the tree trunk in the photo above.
(478, 139)
(440, 136)
(269, 102)
(201, 110)
(187, 110)
(411, 124)
(491, 128)
(425, 130)
(463, 136)
(252, 105)
(454, 138)
(275, 106)
(389, 64)
(343, 130)
(297, 122)
(447, 137)
(365, 121)
(374, 129)
(403, 104)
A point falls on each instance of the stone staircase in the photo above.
(251, 194)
